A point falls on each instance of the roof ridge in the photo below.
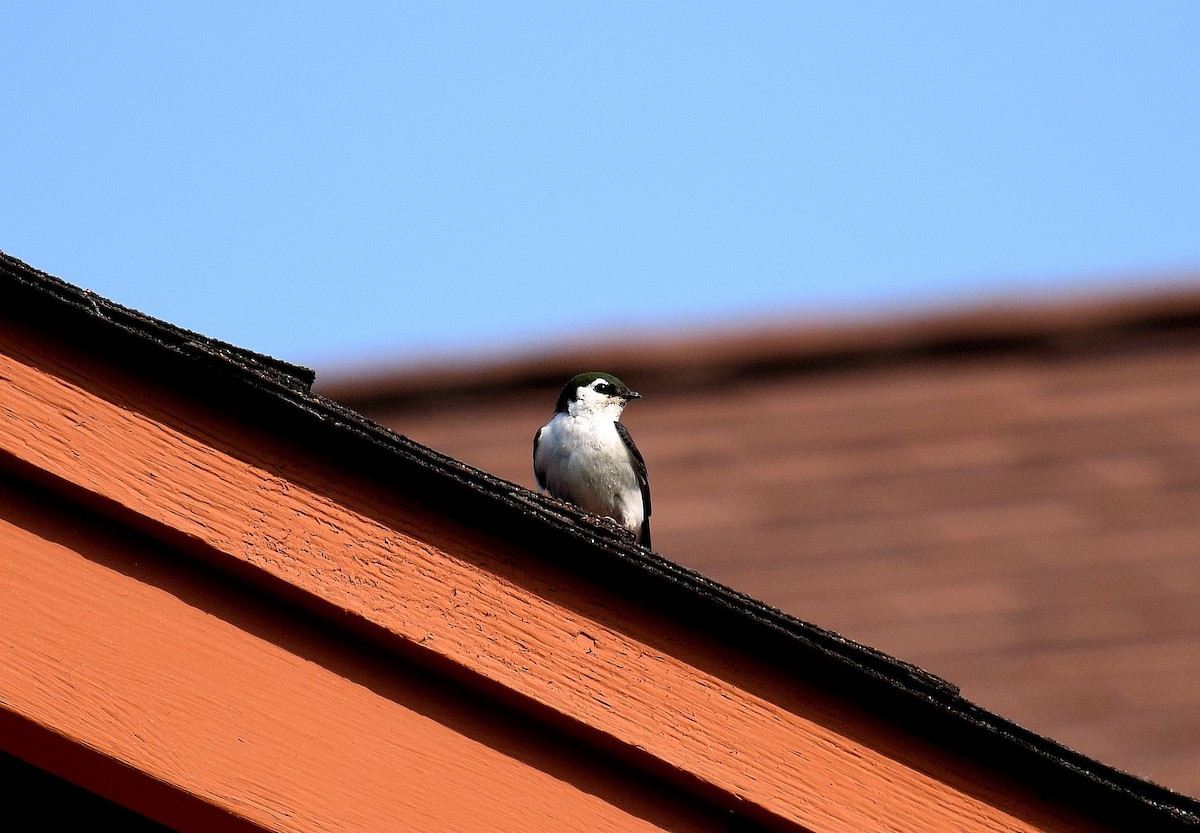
(782, 345)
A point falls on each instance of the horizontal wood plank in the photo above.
(115, 644)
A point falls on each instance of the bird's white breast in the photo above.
(583, 460)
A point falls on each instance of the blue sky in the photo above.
(332, 183)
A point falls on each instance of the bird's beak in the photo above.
(631, 394)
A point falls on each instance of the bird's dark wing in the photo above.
(639, 468)
(537, 438)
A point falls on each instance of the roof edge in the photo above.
(774, 345)
(177, 339)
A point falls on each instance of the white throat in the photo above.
(591, 405)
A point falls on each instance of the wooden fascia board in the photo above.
(748, 736)
(208, 706)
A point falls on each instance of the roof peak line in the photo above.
(771, 345)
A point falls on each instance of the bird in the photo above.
(584, 456)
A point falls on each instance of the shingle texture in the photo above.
(1009, 499)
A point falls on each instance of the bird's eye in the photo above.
(604, 387)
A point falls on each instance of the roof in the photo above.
(1049, 327)
(268, 392)
(1003, 495)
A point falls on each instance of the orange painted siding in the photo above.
(261, 713)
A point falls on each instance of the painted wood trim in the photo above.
(784, 751)
(253, 716)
